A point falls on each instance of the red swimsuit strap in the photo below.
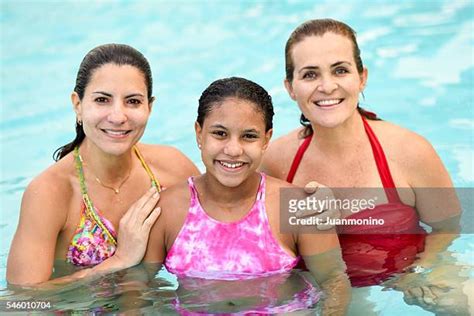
(298, 157)
(382, 164)
(379, 156)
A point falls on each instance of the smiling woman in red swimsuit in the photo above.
(342, 145)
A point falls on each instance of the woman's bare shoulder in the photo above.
(278, 183)
(56, 179)
(413, 154)
(290, 140)
(49, 194)
(274, 186)
(168, 159)
(280, 153)
(155, 153)
(401, 142)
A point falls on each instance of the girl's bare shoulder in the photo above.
(174, 201)
(175, 195)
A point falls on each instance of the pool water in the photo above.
(419, 55)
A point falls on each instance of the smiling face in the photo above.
(115, 108)
(232, 141)
(326, 83)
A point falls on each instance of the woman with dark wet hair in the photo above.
(95, 206)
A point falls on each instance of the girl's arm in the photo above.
(322, 256)
(175, 203)
(156, 248)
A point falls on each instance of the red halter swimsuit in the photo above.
(374, 253)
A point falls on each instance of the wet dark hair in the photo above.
(240, 88)
(118, 54)
(319, 27)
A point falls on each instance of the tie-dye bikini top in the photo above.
(95, 238)
(210, 249)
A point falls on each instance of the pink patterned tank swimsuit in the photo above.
(209, 249)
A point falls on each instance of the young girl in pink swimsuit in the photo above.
(225, 224)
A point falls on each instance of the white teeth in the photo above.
(328, 102)
(117, 133)
(231, 165)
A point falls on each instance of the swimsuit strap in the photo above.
(90, 210)
(195, 197)
(379, 156)
(154, 182)
(194, 194)
(297, 160)
(261, 188)
(382, 164)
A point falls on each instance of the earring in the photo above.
(199, 146)
(79, 122)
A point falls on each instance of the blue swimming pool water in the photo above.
(419, 55)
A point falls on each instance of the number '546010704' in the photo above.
(27, 305)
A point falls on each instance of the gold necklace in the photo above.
(116, 190)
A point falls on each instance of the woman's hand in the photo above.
(320, 192)
(440, 290)
(134, 229)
